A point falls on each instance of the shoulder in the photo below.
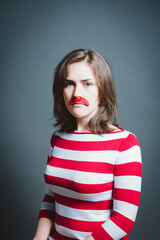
(56, 135)
(129, 140)
(129, 149)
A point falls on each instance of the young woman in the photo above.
(93, 174)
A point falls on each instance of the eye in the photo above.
(68, 84)
(88, 84)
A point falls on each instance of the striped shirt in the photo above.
(93, 185)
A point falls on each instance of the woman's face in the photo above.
(81, 95)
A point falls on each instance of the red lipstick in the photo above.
(78, 100)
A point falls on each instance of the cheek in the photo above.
(94, 96)
(67, 93)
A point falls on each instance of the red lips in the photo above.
(78, 100)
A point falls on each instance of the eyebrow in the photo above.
(83, 80)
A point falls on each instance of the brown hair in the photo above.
(107, 113)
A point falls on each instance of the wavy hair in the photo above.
(107, 112)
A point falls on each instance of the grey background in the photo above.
(35, 35)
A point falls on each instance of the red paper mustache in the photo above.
(79, 100)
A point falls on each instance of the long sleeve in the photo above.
(47, 209)
(126, 192)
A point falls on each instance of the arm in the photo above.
(126, 192)
(46, 215)
(44, 228)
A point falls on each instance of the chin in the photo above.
(78, 113)
(78, 116)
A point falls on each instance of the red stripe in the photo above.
(48, 198)
(100, 233)
(97, 167)
(48, 159)
(128, 142)
(53, 139)
(77, 225)
(125, 237)
(133, 168)
(126, 195)
(58, 236)
(78, 187)
(84, 205)
(122, 222)
(46, 214)
(88, 145)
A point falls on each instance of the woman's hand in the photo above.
(89, 238)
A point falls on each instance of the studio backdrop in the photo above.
(35, 36)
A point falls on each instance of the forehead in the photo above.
(80, 71)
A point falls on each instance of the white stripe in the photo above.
(131, 155)
(93, 137)
(113, 230)
(93, 197)
(126, 209)
(84, 215)
(71, 233)
(50, 152)
(47, 206)
(48, 191)
(128, 182)
(50, 238)
(88, 156)
(79, 176)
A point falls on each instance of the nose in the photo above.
(77, 90)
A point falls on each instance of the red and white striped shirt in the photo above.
(93, 185)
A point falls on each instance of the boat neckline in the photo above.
(116, 131)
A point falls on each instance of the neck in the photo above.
(82, 126)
